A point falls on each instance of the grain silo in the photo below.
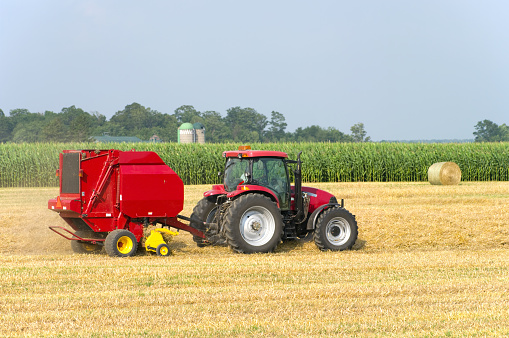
(199, 132)
(186, 133)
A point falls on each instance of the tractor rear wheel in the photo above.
(253, 224)
(85, 247)
(205, 210)
(336, 230)
(120, 243)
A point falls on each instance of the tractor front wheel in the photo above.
(120, 243)
(336, 230)
(253, 224)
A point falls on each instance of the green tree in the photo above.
(21, 115)
(6, 127)
(358, 133)
(26, 126)
(334, 135)
(168, 129)
(99, 119)
(80, 128)
(136, 120)
(55, 130)
(187, 113)
(277, 127)
(504, 132)
(245, 124)
(79, 123)
(27, 132)
(308, 134)
(216, 130)
(131, 118)
(488, 131)
(318, 134)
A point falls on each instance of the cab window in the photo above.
(271, 173)
(235, 172)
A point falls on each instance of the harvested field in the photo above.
(430, 261)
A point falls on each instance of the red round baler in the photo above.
(108, 196)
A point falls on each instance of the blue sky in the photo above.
(406, 69)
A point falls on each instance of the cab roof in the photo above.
(246, 152)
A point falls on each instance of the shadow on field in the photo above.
(308, 244)
(359, 244)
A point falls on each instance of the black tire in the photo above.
(253, 224)
(120, 243)
(163, 250)
(336, 230)
(205, 210)
(86, 248)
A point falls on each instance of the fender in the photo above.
(314, 216)
(216, 190)
(243, 189)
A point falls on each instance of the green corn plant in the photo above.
(34, 164)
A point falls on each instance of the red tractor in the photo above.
(256, 207)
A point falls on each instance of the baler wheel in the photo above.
(83, 247)
(336, 230)
(253, 224)
(163, 250)
(120, 243)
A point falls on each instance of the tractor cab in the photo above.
(245, 169)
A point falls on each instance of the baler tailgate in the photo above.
(69, 179)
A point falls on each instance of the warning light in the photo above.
(244, 148)
(59, 203)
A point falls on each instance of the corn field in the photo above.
(34, 164)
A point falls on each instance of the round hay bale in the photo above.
(444, 173)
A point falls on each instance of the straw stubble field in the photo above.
(430, 261)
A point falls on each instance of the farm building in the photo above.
(155, 139)
(191, 133)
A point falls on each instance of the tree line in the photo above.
(74, 124)
(489, 131)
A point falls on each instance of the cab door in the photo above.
(271, 173)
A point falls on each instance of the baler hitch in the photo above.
(199, 221)
(75, 237)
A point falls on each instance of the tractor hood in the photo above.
(317, 197)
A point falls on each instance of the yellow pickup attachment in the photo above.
(156, 243)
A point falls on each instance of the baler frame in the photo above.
(75, 237)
